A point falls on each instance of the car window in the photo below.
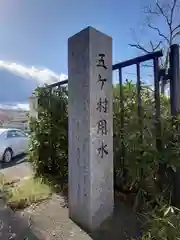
(15, 133)
(20, 134)
(11, 134)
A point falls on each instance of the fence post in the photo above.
(175, 108)
(175, 80)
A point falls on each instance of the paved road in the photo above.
(19, 168)
(14, 226)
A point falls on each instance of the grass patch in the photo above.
(4, 186)
(27, 192)
(2, 180)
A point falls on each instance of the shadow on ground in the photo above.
(16, 227)
(123, 224)
(15, 161)
(53, 218)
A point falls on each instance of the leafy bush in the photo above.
(145, 171)
(48, 150)
(143, 163)
(162, 223)
(140, 168)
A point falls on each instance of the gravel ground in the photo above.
(13, 226)
(52, 217)
(49, 220)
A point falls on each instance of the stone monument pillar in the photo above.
(91, 198)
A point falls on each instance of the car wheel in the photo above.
(7, 157)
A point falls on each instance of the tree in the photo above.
(168, 12)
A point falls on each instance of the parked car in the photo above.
(12, 143)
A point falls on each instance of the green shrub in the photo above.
(144, 170)
(48, 150)
(143, 163)
(140, 168)
(163, 223)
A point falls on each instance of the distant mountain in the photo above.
(14, 88)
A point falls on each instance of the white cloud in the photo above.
(41, 75)
(15, 106)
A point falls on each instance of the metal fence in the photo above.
(137, 61)
(172, 75)
(58, 84)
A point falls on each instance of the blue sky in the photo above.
(34, 33)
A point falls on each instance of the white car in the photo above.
(12, 143)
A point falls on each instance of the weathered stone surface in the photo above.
(90, 128)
